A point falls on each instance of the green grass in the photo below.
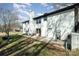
(1, 39)
(44, 52)
(16, 37)
(13, 38)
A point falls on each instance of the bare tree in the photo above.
(7, 17)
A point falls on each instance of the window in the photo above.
(38, 21)
(38, 30)
(45, 18)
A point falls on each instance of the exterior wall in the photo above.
(78, 14)
(78, 21)
(43, 27)
(37, 26)
(27, 28)
(31, 28)
(67, 24)
(24, 28)
(51, 26)
(63, 22)
(75, 36)
(31, 23)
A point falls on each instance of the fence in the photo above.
(74, 40)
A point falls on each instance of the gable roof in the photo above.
(26, 21)
(58, 11)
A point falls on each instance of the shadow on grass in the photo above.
(4, 41)
(37, 51)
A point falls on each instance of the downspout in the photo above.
(75, 18)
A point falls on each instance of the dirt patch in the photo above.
(2, 34)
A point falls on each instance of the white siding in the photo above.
(63, 21)
(51, 25)
(75, 41)
(43, 28)
(24, 28)
(31, 23)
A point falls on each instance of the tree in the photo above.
(8, 17)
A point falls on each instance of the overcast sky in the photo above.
(38, 8)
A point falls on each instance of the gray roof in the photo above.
(25, 21)
(57, 11)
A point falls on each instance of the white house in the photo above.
(28, 25)
(57, 25)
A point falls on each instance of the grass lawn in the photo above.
(42, 49)
(14, 35)
(11, 33)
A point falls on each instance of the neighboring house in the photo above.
(58, 25)
(26, 27)
(29, 26)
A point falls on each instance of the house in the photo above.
(28, 25)
(62, 24)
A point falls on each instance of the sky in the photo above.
(24, 8)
